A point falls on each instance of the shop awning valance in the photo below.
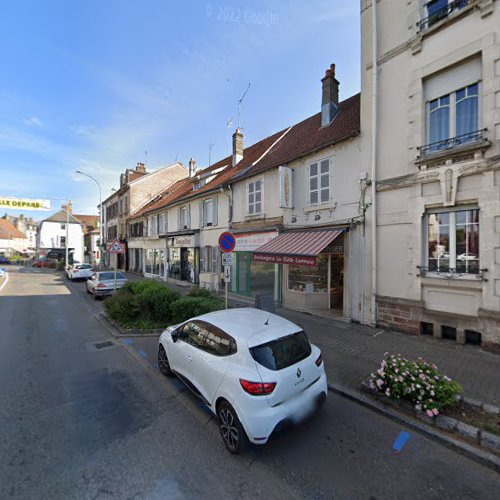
(298, 247)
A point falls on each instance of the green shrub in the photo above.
(121, 307)
(417, 381)
(200, 292)
(137, 287)
(155, 303)
(188, 307)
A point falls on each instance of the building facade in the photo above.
(434, 146)
(137, 188)
(12, 241)
(54, 235)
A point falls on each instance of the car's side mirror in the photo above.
(175, 334)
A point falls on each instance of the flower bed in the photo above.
(416, 381)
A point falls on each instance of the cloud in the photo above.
(33, 121)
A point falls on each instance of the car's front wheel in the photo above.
(163, 363)
(231, 430)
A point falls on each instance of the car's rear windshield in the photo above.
(83, 266)
(282, 352)
(111, 276)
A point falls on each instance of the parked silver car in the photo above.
(102, 283)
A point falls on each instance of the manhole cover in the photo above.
(103, 345)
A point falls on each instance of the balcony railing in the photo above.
(443, 13)
(453, 142)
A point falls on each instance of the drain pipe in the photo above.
(374, 164)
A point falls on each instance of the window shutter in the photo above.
(202, 222)
(215, 254)
(179, 212)
(188, 222)
(452, 79)
(215, 211)
(202, 259)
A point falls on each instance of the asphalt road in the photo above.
(77, 421)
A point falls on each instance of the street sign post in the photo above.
(227, 243)
(116, 247)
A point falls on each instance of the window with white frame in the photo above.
(453, 241)
(453, 106)
(208, 212)
(319, 182)
(255, 189)
(184, 217)
(440, 9)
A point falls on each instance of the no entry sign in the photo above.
(227, 242)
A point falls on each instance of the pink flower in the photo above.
(387, 392)
(430, 413)
(435, 411)
(400, 378)
(418, 407)
(380, 383)
(421, 376)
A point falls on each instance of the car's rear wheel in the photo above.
(231, 430)
(163, 363)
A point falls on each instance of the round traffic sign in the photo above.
(227, 242)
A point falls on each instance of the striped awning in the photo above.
(297, 247)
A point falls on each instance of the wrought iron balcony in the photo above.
(469, 138)
(443, 13)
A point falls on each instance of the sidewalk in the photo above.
(351, 352)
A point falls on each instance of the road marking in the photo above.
(155, 365)
(5, 282)
(143, 353)
(128, 341)
(401, 441)
(178, 385)
(378, 333)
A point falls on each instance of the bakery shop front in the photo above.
(312, 265)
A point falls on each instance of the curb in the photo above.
(5, 281)
(476, 454)
(119, 332)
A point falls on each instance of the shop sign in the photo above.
(249, 242)
(285, 175)
(24, 203)
(182, 241)
(334, 249)
(296, 260)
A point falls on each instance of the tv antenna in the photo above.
(210, 146)
(239, 104)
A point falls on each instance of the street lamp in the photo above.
(100, 214)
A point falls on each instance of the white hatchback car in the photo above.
(79, 271)
(255, 370)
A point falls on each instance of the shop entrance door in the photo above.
(184, 264)
(337, 282)
(244, 260)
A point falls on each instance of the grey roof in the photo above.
(61, 216)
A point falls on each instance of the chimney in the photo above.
(68, 207)
(237, 147)
(192, 168)
(330, 96)
(140, 168)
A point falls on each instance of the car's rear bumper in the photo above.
(263, 422)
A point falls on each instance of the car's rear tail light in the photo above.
(319, 360)
(257, 388)
(101, 285)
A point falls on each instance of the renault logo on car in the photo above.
(299, 373)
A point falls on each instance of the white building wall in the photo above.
(52, 232)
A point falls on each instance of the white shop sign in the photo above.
(249, 242)
(182, 241)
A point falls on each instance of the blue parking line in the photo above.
(155, 365)
(401, 441)
(127, 341)
(143, 353)
(178, 385)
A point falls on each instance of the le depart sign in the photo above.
(24, 203)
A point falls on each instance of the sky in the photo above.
(100, 85)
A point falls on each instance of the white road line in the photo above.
(5, 282)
